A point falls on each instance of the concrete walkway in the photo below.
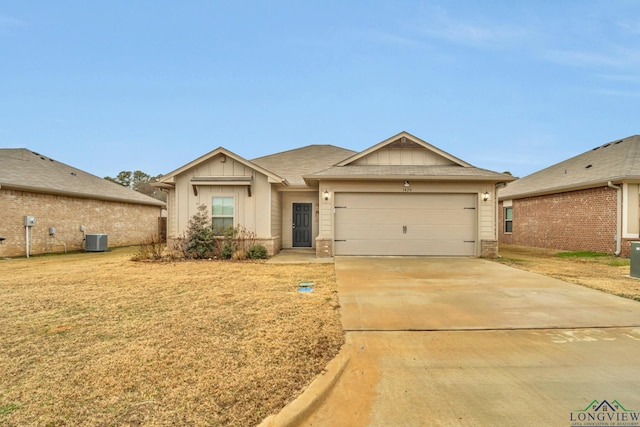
(298, 256)
(469, 342)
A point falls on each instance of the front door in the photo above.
(302, 225)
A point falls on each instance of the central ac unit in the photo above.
(95, 242)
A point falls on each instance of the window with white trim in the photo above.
(508, 220)
(223, 210)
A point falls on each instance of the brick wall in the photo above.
(126, 224)
(489, 249)
(324, 247)
(576, 220)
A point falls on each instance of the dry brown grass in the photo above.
(606, 273)
(97, 339)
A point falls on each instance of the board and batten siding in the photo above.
(405, 156)
(251, 212)
(276, 219)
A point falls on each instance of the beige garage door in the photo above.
(405, 224)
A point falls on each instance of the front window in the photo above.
(508, 220)
(223, 209)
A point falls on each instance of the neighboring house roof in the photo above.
(614, 162)
(294, 164)
(25, 170)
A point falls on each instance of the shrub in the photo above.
(257, 252)
(200, 239)
(239, 255)
(227, 245)
(151, 248)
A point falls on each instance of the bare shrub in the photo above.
(152, 248)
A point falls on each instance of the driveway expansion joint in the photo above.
(538, 328)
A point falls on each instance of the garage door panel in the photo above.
(405, 224)
(395, 216)
(396, 247)
(396, 232)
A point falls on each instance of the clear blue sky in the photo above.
(151, 85)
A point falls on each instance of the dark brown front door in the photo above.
(302, 225)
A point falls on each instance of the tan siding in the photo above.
(276, 216)
(631, 208)
(487, 215)
(172, 220)
(403, 156)
(259, 205)
(252, 212)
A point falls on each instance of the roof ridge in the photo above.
(300, 148)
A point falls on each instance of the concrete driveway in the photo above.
(469, 342)
(430, 294)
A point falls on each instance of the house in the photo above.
(66, 204)
(588, 202)
(402, 196)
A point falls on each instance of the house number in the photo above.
(406, 190)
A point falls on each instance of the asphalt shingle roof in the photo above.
(614, 161)
(294, 164)
(26, 170)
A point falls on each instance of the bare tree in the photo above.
(140, 182)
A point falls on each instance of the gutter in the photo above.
(618, 237)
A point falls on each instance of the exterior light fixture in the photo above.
(326, 194)
(485, 197)
(406, 184)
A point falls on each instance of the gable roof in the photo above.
(294, 164)
(447, 167)
(614, 162)
(170, 177)
(303, 167)
(25, 170)
(404, 139)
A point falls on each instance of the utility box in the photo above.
(29, 221)
(95, 242)
(635, 259)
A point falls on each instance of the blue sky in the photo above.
(151, 85)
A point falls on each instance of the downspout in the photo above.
(618, 218)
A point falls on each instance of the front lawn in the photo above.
(604, 272)
(98, 339)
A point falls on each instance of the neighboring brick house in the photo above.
(67, 204)
(589, 202)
